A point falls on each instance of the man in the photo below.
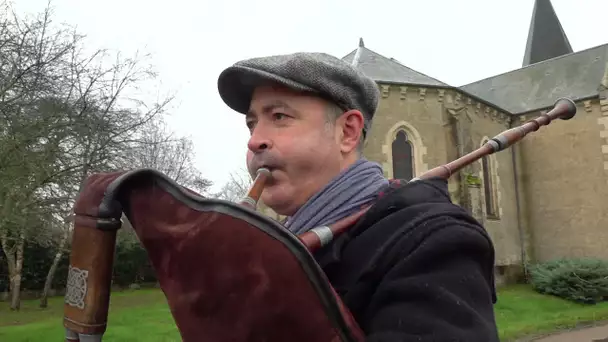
(415, 267)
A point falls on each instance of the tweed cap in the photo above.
(318, 73)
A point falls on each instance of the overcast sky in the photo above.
(457, 42)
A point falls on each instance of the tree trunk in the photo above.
(52, 270)
(15, 274)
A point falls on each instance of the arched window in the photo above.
(404, 152)
(402, 157)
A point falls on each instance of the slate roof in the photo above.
(576, 75)
(389, 70)
(546, 36)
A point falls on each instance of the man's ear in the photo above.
(351, 124)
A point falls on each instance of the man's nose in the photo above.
(259, 141)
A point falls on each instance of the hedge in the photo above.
(582, 280)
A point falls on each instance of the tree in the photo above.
(159, 149)
(63, 115)
(30, 60)
(61, 242)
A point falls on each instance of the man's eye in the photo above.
(279, 116)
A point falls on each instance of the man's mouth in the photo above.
(267, 167)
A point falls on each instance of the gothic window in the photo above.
(402, 157)
(489, 187)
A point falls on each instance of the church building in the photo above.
(545, 197)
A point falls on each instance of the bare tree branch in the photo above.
(236, 188)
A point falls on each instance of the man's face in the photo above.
(291, 135)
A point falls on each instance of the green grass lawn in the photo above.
(520, 311)
(143, 315)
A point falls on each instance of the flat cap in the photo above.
(313, 72)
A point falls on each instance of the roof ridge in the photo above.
(537, 64)
(421, 73)
(398, 63)
(577, 76)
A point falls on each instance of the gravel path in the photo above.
(591, 334)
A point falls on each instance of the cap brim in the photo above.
(236, 85)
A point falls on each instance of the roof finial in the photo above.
(358, 53)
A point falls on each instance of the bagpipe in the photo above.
(228, 272)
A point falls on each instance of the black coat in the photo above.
(416, 268)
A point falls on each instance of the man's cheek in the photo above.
(248, 159)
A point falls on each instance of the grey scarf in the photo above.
(354, 187)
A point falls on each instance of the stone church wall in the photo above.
(417, 111)
(477, 123)
(424, 114)
(565, 174)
